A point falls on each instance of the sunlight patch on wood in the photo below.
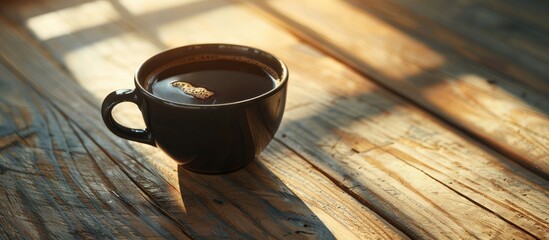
(120, 56)
(384, 47)
(46, 26)
(147, 6)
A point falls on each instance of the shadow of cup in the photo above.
(251, 203)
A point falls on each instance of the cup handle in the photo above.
(114, 98)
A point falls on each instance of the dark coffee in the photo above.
(211, 80)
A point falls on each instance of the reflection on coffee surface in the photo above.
(211, 79)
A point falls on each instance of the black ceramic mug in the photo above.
(209, 138)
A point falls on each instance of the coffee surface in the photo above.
(227, 80)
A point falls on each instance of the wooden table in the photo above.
(405, 119)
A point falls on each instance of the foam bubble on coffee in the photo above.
(197, 92)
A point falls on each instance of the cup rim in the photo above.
(283, 76)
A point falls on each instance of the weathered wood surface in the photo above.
(347, 147)
(65, 170)
(490, 31)
(532, 11)
(519, 42)
(504, 113)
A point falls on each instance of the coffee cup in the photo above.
(211, 107)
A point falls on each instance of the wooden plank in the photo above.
(345, 217)
(481, 33)
(53, 187)
(116, 174)
(483, 47)
(395, 170)
(518, 40)
(531, 11)
(405, 190)
(503, 113)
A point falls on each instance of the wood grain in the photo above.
(53, 187)
(411, 184)
(478, 48)
(357, 110)
(532, 11)
(503, 113)
(522, 42)
(126, 193)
